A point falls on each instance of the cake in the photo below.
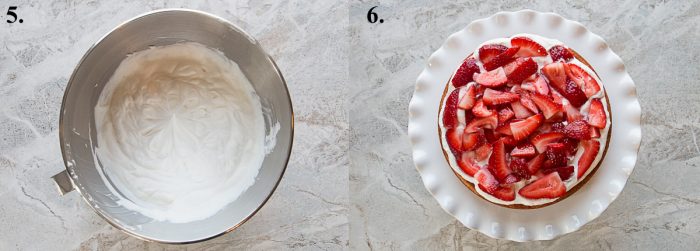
(524, 121)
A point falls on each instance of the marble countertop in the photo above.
(351, 183)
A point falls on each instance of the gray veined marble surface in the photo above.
(351, 183)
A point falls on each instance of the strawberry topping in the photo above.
(467, 97)
(493, 97)
(465, 73)
(497, 161)
(578, 129)
(490, 51)
(468, 164)
(493, 78)
(523, 128)
(520, 69)
(596, 114)
(528, 47)
(501, 59)
(558, 52)
(549, 186)
(480, 109)
(489, 122)
(590, 151)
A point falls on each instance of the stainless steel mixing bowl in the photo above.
(77, 124)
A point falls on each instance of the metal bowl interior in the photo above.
(77, 124)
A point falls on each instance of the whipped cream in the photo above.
(541, 61)
(180, 132)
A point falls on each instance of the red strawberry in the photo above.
(465, 73)
(501, 59)
(525, 150)
(519, 167)
(511, 178)
(469, 141)
(522, 129)
(497, 161)
(572, 114)
(493, 78)
(504, 192)
(493, 97)
(574, 94)
(595, 133)
(558, 52)
(546, 105)
(455, 138)
(489, 51)
(565, 172)
(520, 69)
(483, 152)
(467, 163)
(467, 97)
(490, 136)
(596, 114)
(504, 129)
(480, 109)
(487, 122)
(535, 164)
(541, 85)
(555, 155)
(578, 129)
(526, 100)
(486, 181)
(556, 74)
(528, 85)
(556, 97)
(590, 151)
(542, 140)
(583, 79)
(528, 47)
(520, 111)
(571, 146)
(558, 127)
(549, 186)
(449, 117)
(504, 115)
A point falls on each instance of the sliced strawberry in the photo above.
(483, 152)
(596, 114)
(449, 117)
(549, 186)
(497, 161)
(595, 133)
(578, 129)
(490, 51)
(541, 85)
(571, 146)
(468, 164)
(493, 97)
(589, 85)
(469, 141)
(467, 97)
(574, 94)
(572, 114)
(489, 122)
(455, 138)
(520, 111)
(490, 136)
(526, 100)
(511, 178)
(547, 106)
(556, 74)
(480, 109)
(492, 78)
(522, 129)
(504, 192)
(542, 140)
(528, 47)
(504, 115)
(565, 172)
(528, 85)
(558, 127)
(504, 129)
(535, 164)
(555, 155)
(557, 98)
(590, 151)
(520, 69)
(501, 59)
(525, 150)
(465, 73)
(486, 181)
(519, 167)
(558, 52)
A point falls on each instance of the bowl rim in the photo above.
(62, 138)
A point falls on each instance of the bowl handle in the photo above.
(63, 182)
